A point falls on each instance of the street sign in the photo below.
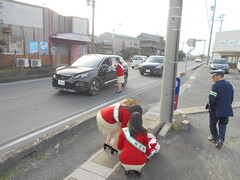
(177, 89)
(191, 42)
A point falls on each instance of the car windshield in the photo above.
(219, 61)
(155, 59)
(88, 61)
(137, 58)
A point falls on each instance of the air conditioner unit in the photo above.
(22, 62)
(36, 63)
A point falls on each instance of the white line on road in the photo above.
(26, 81)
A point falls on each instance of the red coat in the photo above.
(119, 70)
(131, 155)
(124, 115)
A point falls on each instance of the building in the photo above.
(119, 41)
(34, 32)
(101, 47)
(151, 44)
(227, 45)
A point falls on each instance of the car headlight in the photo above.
(54, 76)
(81, 75)
(158, 66)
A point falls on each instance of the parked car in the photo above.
(137, 60)
(198, 60)
(219, 64)
(88, 73)
(153, 65)
(238, 66)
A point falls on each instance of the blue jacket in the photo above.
(221, 98)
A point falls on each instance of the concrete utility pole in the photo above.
(210, 38)
(93, 11)
(171, 60)
(221, 16)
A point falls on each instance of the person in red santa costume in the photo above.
(111, 119)
(133, 142)
(120, 74)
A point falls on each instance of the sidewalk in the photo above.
(184, 154)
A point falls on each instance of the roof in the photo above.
(149, 37)
(72, 37)
(126, 37)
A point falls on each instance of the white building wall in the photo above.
(21, 14)
(79, 26)
(228, 41)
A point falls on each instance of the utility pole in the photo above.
(210, 39)
(171, 60)
(93, 10)
(221, 16)
(114, 41)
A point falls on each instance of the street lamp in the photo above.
(213, 8)
(92, 2)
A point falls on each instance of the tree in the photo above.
(128, 52)
(123, 50)
(181, 55)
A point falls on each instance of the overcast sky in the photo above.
(131, 17)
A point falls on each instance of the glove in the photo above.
(207, 106)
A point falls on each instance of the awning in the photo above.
(72, 37)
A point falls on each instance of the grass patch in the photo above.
(6, 70)
(175, 127)
(8, 176)
(42, 156)
(69, 140)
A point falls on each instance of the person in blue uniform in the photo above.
(220, 107)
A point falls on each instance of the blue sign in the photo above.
(33, 47)
(43, 49)
(177, 89)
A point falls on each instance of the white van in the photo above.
(137, 60)
(238, 65)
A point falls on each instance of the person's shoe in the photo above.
(118, 91)
(219, 144)
(113, 150)
(138, 172)
(105, 146)
(211, 140)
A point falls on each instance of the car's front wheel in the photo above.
(94, 87)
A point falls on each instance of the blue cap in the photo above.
(217, 72)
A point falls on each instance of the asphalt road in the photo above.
(31, 108)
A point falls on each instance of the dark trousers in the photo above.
(222, 126)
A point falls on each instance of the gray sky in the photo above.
(150, 16)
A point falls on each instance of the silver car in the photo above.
(238, 66)
(222, 64)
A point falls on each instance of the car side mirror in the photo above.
(104, 67)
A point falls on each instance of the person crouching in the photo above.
(133, 142)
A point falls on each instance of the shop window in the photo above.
(16, 44)
(222, 43)
(231, 43)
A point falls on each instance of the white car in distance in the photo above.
(137, 60)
